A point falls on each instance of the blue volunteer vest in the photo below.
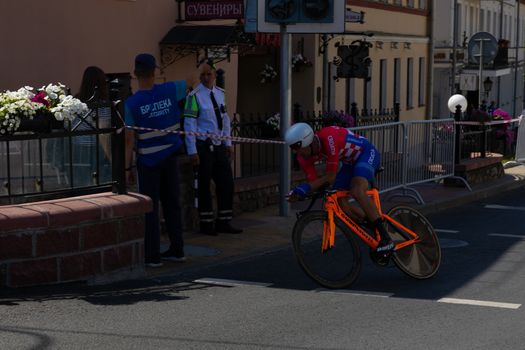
(157, 109)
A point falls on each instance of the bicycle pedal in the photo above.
(380, 259)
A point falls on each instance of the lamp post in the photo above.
(457, 104)
(487, 85)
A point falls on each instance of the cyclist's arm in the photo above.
(328, 178)
(316, 182)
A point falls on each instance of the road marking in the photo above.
(479, 303)
(508, 207)
(506, 235)
(354, 292)
(230, 283)
(445, 231)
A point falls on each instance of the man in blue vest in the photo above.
(156, 106)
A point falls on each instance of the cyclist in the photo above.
(360, 160)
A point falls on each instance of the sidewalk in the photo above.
(265, 230)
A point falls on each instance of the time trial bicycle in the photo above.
(325, 242)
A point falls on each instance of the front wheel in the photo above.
(422, 259)
(335, 268)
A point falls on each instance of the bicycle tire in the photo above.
(420, 260)
(337, 267)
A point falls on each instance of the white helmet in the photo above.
(299, 135)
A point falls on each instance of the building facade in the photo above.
(55, 41)
(456, 22)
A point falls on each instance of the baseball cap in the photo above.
(145, 62)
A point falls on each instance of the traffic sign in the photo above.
(483, 40)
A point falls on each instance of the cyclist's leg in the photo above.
(364, 170)
(342, 182)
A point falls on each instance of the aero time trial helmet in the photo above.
(299, 135)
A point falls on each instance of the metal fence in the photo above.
(411, 152)
(259, 159)
(79, 158)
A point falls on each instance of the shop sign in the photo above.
(203, 10)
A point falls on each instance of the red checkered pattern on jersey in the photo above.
(351, 152)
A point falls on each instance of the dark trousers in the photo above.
(214, 165)
(161, 183)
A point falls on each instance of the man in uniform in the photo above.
(205, 112)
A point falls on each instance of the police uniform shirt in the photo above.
(199, 116)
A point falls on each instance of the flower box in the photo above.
(41, 123)
(42, 112)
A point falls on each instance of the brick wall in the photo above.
(71, 239)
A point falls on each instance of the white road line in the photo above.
(230, 283)
(506, 235)
(353, 292)
(445, 231)
(508, 207)
(479, 303)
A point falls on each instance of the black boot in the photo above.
(386, 245)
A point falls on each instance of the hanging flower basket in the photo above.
(268, 74)
(299, 62)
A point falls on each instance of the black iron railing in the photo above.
(254, 159)
(81, 157)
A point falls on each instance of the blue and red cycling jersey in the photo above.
(339, 144)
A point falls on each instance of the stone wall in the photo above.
(478, 170)
(80, 238)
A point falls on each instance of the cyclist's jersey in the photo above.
(337, 144)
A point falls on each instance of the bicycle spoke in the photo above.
(336, 267)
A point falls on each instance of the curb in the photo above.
(471, 197)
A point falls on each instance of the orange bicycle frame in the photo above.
(332, 208)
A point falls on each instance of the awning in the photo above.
(201, 35)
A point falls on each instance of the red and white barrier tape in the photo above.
(496, 122)
(210, 135)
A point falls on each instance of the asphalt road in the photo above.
(476, 301)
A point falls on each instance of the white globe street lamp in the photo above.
(456, 100)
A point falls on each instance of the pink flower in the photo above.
(41, 98)
(501, 114)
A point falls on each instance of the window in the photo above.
(421, 87)
(489, 21)
(423, 4)
(496, 29)
(410, 3)
(459, 19)
(397, 79)
(382, 84)
(481, 20)
(410, 87)
(504, 34)
(398, 2)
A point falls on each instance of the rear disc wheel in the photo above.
(420, 260)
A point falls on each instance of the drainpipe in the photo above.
(516, 60)
(454, 47)
(430, 63)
